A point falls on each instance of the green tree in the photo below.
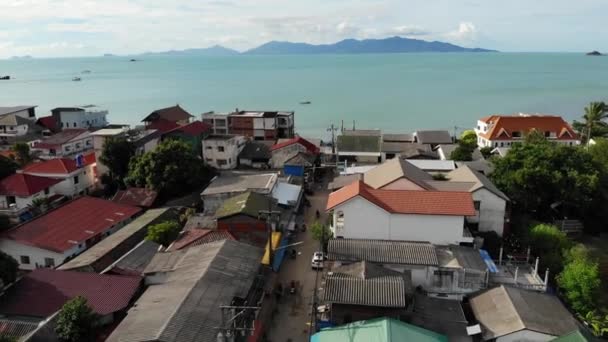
(593, 124)
(461, 153)
(468, 139)
(548, 243)
(22, 151)
(171, 169)
(597, 323)
(7, 167)
(580, 280)
(164, 233)
(486, 152)
(321, 233)
(8, 268)
(466, 145)
(116, 155)
(547, 180)
(76, 321)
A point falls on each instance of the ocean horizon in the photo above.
(393, 92)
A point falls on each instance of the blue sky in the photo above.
(50, 28)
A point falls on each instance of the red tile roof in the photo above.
(58, 166)
(502, 126)
(310, 147)
(139, 197)
(197, 237)
(162, 126)
(407, 201)
(56, 140)
(47, 122)
(73, 223)
(195, 128)
(22, 185)
(175, 113)
(44, 291)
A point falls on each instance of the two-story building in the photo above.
(67, 143)
(362, 212)
(222, 151)
(19, 191)
(166, 119)
(27, 112)
(77, 176)
(15, 128)
(62, 233)
(79, 117)
(258, 125)
(505, 130)
(288, 149)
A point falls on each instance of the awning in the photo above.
(488, 260)
(276, 239)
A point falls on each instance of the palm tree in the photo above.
(593, 124)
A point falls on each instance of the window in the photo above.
(88, 142)
(222, 162)
(443, 279)
(49, 262)
(495, 144)
(209, 160)
(11, 200)
(571, 143)
(516, 134)
(25, 259)
(229, 160)
(209, 147)
(477, 204)
(547, 134)
(47, 191)
(76, 180)
(74, 124)
(502, 144)
(220, 148)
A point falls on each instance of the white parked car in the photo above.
(317, 260)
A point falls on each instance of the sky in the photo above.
(53, 28)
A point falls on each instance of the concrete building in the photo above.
(144, 140)
(79, 117)
(288, 149)
(166, 119)
(222, 151)
(67, 143)
(361, 212)
(360, 146)
(258, 125)
(505, 130)
(51, 239)
(77, 177)
(26, 112)
(231, 184)
(19, 191)
(217, 121)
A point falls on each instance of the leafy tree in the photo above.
(183, 218)
(461, 153)
(548, 242)
(76, 321)
(7, 167)
(547, 180)
(22, 151)
(468, 139)
(597, 323)
(321, 233)
(466, 145)
(116, 155)
(164, 233)
(593, 124)
(171, 169)
(8, 268)
(486, 152)
(580, 281)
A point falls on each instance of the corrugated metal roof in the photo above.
(383, 251)
(386, 291)
(136, 260)
(16, 328)
(433, 165)
(377, 330)
(185, 307)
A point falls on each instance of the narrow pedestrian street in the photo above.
(292, 319)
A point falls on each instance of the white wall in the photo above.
(37, 255)
(68, 187)
(83, 119)
(491, 212)
(24, 202)
(526, 336)
(232, 148)
(364, 220)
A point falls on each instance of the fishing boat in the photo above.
(305, 102)
(76, 79)
(5, 78)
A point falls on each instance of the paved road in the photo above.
(292, 321)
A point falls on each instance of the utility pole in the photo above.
(268, 214)
(333, 129)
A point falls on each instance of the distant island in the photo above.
(22, 57)
(594, 53)
(347, 46)
(354, 46)
(108, 55)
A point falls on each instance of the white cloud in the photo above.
(466, 32)
(408, 31)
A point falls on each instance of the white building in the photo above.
(18, 191)
(361, 212)
(62, 233)
(218, 122)
(27, 112)
(77, 177)
(222, 151)
(145, 140)
(504, 130)
(67, 143)
(80, 117)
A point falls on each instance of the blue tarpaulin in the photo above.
(488, 260)
(294, 170)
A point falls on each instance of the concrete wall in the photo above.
(526, 336)
(68, 187)
(83, 119)
(280, 156)
(364, 220)
(232, 148)
(491, 212)
(37, 255)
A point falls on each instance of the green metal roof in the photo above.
(248, 203)
(377, 330)
(359, 143)
(577, 336)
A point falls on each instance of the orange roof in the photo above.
(407, 201)
(503, 126)
(58, 166)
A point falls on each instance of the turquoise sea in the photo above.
(395, 92)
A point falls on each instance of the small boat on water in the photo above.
(86, 71)
(305, 102)
(5, 78)
(76, 79)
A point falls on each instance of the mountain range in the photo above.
(346, 46)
